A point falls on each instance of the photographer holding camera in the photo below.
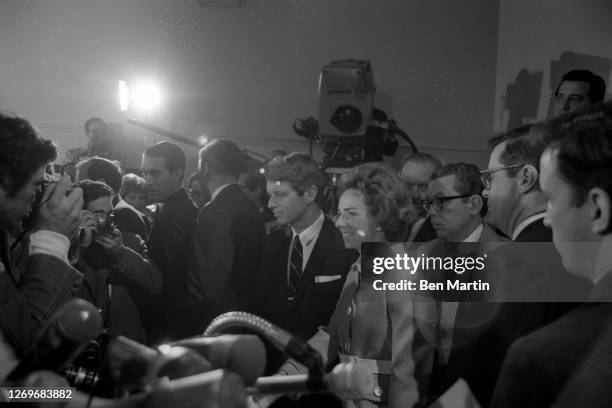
(118, 274)
(30, 294)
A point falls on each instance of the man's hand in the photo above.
(88, 220)
(112, 243)
(59, 212)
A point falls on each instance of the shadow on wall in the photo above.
(523, 97)
(570, 60)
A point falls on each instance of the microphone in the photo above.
(350, 381)
(244, 355)
(134, 367)
(73, 325)
(293, 346)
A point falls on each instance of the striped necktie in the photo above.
(295, 269)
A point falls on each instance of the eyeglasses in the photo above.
(438, 202)
(485, 175)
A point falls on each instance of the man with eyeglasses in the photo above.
(456, 207)
(516, 205)
(416, 172)
(568, 362)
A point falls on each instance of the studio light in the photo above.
(146, 96)
(143, 96)
(124, 96)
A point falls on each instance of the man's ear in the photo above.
(476, 203)
(311, 193)
(601, 210)
(527, 178)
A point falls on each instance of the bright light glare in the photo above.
(146, 96)
(124, 96)
(203, 140)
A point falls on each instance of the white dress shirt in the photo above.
(308, 238)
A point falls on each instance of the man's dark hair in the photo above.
(92, 190)
(584, 160)
(99, 168)
(424, 158)
(223, 157)
(173, 156)
(299, 170)
(597, 88)
(468, 180)
(22, 152)
(91, 121)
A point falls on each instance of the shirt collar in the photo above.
(218, 190)
(312, 231)
(526, 222)
(475, 235)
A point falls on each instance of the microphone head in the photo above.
(78, 321)
(242, 354)
(72, 326)
(178, 362)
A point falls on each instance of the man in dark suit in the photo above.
(483, 332)
(305, 262)
(30, 295)
(227, 242)
(455, 205)
(515, 202)
(416, 172)
(163, 167)
(576, 180)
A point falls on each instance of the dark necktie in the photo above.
(295, 269)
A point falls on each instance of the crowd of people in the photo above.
(161, 253)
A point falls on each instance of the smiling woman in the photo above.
(373, 328)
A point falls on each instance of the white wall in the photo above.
(533, 36)
(246, 73)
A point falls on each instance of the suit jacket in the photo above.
(28, 300)
(225, 255)
(320, 285)
(483, 332)
(538, 365)
(384, 327)
(535, 232)
(168, 242)
(589, 386)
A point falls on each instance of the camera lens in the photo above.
(347, 119)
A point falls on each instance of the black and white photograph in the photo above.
(306, 203)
